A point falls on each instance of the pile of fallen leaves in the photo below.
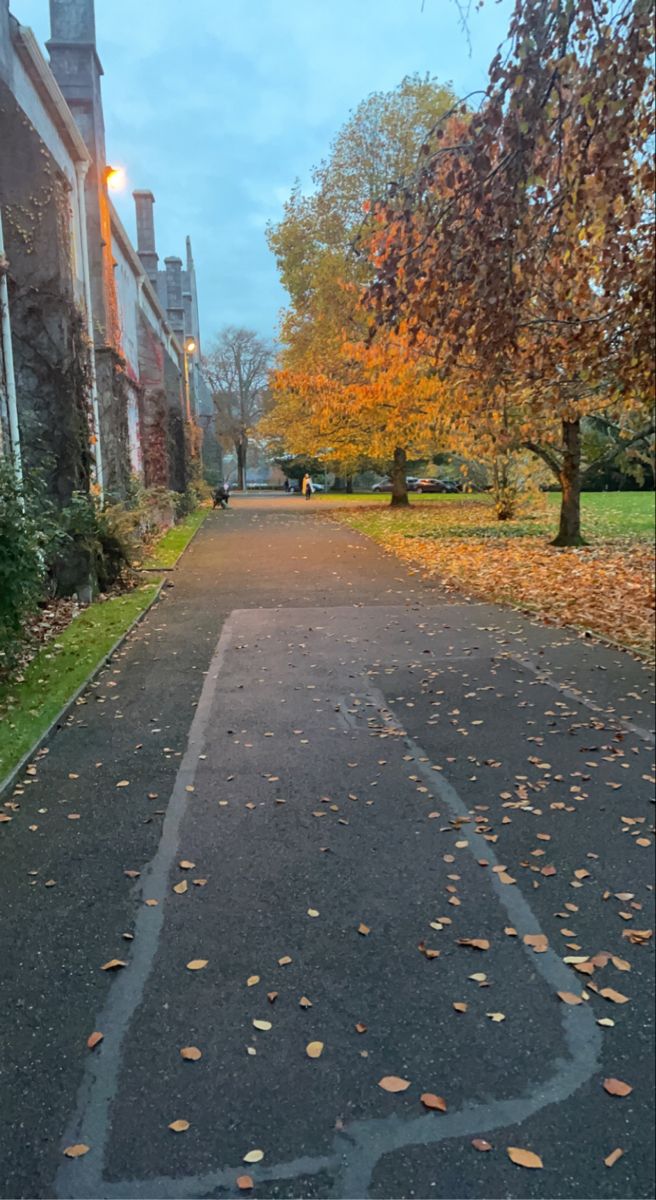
(606, 588)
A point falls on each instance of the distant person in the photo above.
(286, 484)
(221, 496)
(307, 487)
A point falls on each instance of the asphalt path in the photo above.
(353, 775)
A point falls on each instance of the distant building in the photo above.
(131, 407)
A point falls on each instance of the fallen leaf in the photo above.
(314, 1049)
(152, 903)
(392, 1083)
(616, 997)
(313, 912)
(284, 961)
(197, 964)
(132, 874)
(94, 1039)
(476, 943)
(363, 929)
(524, 1158)
(253, 1156)
(77, 1151)
(612, 1158)
(616, 1087)
(179, 1126)
(569, 998)
(264, 1025)
(538, 942)
(123, 783)
(481, 1144)
(186, 865)
(113, 964)
(244, 1183)
(304, 1002)
(460, 1006)
(496, 1016)
(360, 1028)
(252, 980)
(180, 888)
(606, 1022)
(431, 1101)
(191, 1053)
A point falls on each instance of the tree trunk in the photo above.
(349, 485)
(242, 449)
(569, 532)
(397, 475)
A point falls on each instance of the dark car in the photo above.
(437, 485)
(385, 485)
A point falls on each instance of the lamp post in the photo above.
(189, 345)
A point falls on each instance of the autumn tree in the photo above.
(523, 245)
(238, 368)
(320, 368)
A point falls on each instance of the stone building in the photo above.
(75, 282)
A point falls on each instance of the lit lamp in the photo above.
(189, 347)
(115, 177)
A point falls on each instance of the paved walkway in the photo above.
(358, 775)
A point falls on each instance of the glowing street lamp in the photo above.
(189, 347)
(116, 178)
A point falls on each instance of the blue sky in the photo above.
(219, 106)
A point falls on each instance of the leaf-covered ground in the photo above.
(606, 587)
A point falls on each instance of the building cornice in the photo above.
(44, 81)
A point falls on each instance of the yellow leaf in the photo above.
(253, 1156)
(180, 888)
(179, 1126)
(314, 1049)
(197, 964)
(77, 1151)
(113, 965)
(263, 1025)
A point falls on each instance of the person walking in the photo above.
(306, 486)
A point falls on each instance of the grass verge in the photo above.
(29, 706)
(166, 552)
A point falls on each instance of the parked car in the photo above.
(438, 485)
(385, 485)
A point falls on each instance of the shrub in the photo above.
(22, 565)
(89, 548)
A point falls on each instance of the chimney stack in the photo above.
(174, 301)
(146, 248)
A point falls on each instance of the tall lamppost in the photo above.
(188, 348)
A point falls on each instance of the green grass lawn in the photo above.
(604, 514)
(166, 552)
(28, 706)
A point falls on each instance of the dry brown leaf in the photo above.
(186, 865)
(123, 783)
(272, 996)
(77, 1151)
(304, 1002)
(524, 1158)
(314, 1049)
(460, 1006)
(569, 998)
(179, 1126)
(94, 1039)
(114, 964)
(611, 994)
(363, 929)
(197, 964)
(475, 943)
(191, 1053)
(284, 961)
(360, 1028)
(612, 1158)
(429, 1100)
(252, 980)
(392, 1083)
(616, 1087)
(244, 1183)
(180, 888)
(638, 937)
(481, 1144)
(538, 942)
